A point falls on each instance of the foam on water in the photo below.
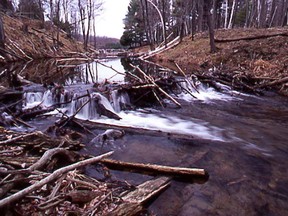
(205, 93)
(138, 119)
(174, 125)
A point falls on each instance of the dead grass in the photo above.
(32, 38)
(258, 58)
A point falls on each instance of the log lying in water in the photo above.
(131, 129)
(133, 201)
(156, 169)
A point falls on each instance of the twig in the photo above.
(186, 79)
(5, 142)
(15, 197)
(156, 96)
(82, 183)
(47, 157)
(110, 67)
(77, 111)
(94, 209)
(160, 89)
(276, 82)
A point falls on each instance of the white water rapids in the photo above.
(139, 118)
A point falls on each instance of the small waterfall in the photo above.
(32, 97)
(48, 98)
(91, 110)
(204, 92)
(120, 100)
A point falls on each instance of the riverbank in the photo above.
(252, 60)
(27, 39)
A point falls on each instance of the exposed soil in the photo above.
(259, 60)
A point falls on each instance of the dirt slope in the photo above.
(31, 39)
(258, 61)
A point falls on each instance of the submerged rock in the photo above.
(108, 136)
(6, 119)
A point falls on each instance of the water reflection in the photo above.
(95, 72)
(248, 172)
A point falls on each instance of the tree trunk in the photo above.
(161, 19)
(164, 22)
(200, 15)
(230, 25)
(284, 13)
(149, 29)
(247, 14)
(2, 34)
(208, 15)
(226, 14)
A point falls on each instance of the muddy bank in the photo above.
(246, 59)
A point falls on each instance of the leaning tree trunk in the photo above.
(2, 34)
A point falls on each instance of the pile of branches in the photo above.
(244, 81)
(41, 175)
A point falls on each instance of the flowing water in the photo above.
(240, 140)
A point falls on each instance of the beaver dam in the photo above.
(126, 137)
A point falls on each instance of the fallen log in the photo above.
(131, 129)
(186, 79)
(21, 137)
(170, 45)
(47, 156)
(156, 85)
(155, 169)
(285, 34)
(33, 113)
(273, 83)
(133, 201)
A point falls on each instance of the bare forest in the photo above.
(153, 22)
(184, 114)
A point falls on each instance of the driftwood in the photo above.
(17, 196)
(66, 120)
(273, 83)
(33, 113)
(37, 166)
(110, 67)
(8, 141)
(155, 169)
(133, 201)
(164, 48)
(156, 85)
(47, 156)
(152, 132)
(285, 34)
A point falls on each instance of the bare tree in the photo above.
(207, 8)
(233, 9)
(161, 19)
(87, 11)
(226, 13)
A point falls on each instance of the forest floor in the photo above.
(246, 58)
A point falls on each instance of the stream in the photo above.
(241, 140)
